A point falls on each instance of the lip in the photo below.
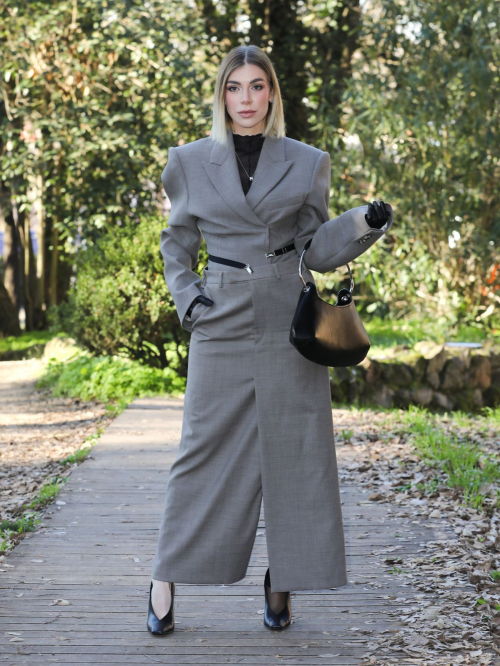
(246, 113)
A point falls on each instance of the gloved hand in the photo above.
(377, 214)
(199, 299)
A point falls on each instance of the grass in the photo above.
(347, 435)
(12, 530)
(463, 463)
(47, 492)
(385, 333)
(82, 453)
(9, 529)
(17, 343)
(109, 379)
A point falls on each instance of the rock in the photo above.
(479, 374)
(60, 348)
(383, 396)
(442, 400)
(453, 374)
(422, 396)
(477, 397)
(468, 399)
(476, 576)
(402, 397)
(433, 379)
(435, 514)
(437, 360)
(374, 372)
(397, 374)
(428, 349)
(343, 374)
(419, 369)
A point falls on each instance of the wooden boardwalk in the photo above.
(96, 554)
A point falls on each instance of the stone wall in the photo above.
(436, 376)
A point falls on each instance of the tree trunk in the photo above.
(54, 258)
(12, 273)
(9, 323)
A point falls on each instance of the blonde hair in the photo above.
(274, 122)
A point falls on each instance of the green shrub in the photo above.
(120, 304)
(108, 378)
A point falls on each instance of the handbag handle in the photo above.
(305, 284)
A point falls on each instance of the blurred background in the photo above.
(404, 95)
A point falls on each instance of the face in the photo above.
(248, 89)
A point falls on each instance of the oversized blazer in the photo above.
(257, 415)
(287, 202)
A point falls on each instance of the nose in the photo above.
(245, 96)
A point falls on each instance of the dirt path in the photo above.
(36, 433)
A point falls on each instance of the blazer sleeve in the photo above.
(181, 241)
(333, 242)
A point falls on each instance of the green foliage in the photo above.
(386, 332)
(48, 492)
(460, 459)
(421, 131)
(347, 435)
(93, 93)
(463, 463)
(10, 529)
(493, 415)
(78, 456)
(119, 304)
(24, 341)
(25, 524)
(108, 378)
(404, 95)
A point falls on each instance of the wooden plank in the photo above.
(113, 508)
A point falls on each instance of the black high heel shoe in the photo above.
(165, 624)
(274, 620)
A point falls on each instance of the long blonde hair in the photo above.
(221, 120)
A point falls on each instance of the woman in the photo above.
(257, 417)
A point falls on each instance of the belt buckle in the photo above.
(270, 254)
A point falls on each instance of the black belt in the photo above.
(239, 264)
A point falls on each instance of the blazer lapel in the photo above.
(224, 174)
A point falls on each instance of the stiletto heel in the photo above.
(165, 624)
(274, 620)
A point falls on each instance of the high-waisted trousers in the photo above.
(257, 425)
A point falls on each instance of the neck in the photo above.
(246, 131)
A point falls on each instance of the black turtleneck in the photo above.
(247, 147)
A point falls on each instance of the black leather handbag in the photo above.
(327, 334)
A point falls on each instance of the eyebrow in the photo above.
(252, 81)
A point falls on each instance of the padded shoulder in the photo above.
(300, 148)
(194, 147)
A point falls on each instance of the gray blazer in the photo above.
(287, 202)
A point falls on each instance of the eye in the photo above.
(258, 86)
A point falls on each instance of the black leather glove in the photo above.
(377, 214)
(199, 299)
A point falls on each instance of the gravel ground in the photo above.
(455, 617)
(36, 433)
